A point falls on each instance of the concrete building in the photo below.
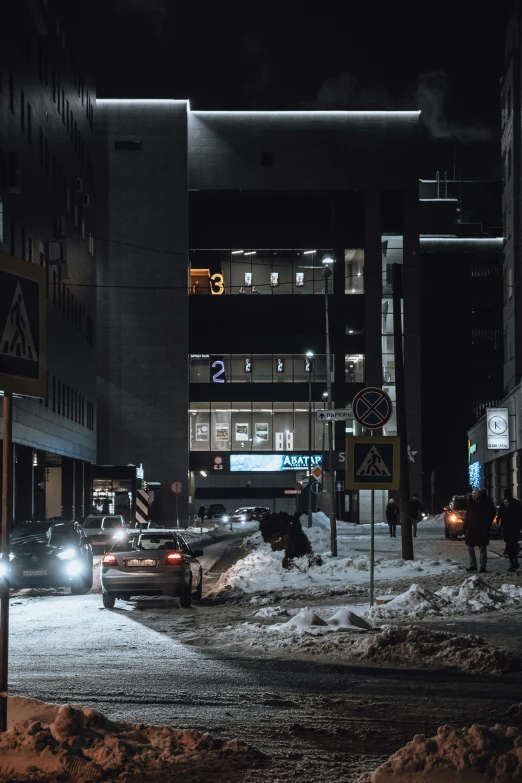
(47, 170)
(202, 381)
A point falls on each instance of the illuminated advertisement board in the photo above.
(271, 463)
(498, 428)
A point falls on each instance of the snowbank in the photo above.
(476, 755)
(48, 742)
(473, 596)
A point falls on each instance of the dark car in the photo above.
(55, 554)
(217, 511)
(156, 562)
(454, 515)
(249, 514)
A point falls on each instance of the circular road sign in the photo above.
(317, 487)
(176, 487)
(372, 408)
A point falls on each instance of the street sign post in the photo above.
(176, 487)
(316, 487)
(372, 463)
(23, 371)
(372, 408)
(340, 414)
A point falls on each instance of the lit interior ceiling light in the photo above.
(237, 252)
(328, 260)
(309, 354)
(350, 331)
(308, 252)
(203, 473)
(251, 253)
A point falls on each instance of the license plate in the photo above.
(97, 541)
(41, 572)
(142, 563)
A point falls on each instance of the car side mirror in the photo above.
(197, 553)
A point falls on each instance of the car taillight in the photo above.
(109, 560)
(174, 557)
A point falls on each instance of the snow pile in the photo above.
(303, 621)
(473, 596)
(473, 755)
(49, 742)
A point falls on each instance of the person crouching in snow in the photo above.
(392, 517)
(477, 524)
(297, 543)
(510, 518)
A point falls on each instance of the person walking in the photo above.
(416, 509)
(510, 518)
(477, 524)
(392, 516)
(201, 513)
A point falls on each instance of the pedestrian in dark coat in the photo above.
(392, 516)
(510, 518)
(201, 513)
(416, 510)
(477, 525)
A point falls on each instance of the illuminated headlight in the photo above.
(453, 517)
(119, 536)
(4, 569)
(74, 568)
(224, 518)
(243, 517)
(67, 554)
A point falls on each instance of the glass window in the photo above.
(391, 248)
(241, 435)
(304, 261)
(354, 368)
(301, 419)
(241, 368)
(262, 429)
(199, 368)
(220, 426)
(320, 262)
(262, 368)
(283, 368)
(199, 414)
(283, 419)
(354, 271)
(388, 368)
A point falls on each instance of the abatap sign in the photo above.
(498, 428)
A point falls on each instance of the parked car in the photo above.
(156, 562)
(249, 514)
(56, 554)
(103, 529)
(217, 511)
(454, 515)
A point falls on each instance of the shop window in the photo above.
(199, 414)
(199, 368)
(262, 429)
(283, 368)
(354, 368)
(241, 426)
(241, 368)
(354, 271)
(262, 368)
(220, 426)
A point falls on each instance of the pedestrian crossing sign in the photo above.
(23, 367)
(372, 463)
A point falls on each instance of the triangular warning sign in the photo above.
(373, 465)
(17, 341)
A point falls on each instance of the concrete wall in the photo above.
(143, 292)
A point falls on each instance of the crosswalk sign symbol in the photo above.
(23, 345)
(372, 463)
(16, 340)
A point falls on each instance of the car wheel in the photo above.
(108, 600)
(446, 531)
(453, 537)
(185, 598)
(198, 595)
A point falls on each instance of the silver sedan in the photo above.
(156, 562)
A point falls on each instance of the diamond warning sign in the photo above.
(23, 366)
(372, 463)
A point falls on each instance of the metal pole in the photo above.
(333, 527)
(372, 546)
(406, 531)
(4, 549)
(310, 444)
(177, 512)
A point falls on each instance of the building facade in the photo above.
(217, 227)
(47, 169)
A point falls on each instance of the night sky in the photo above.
(444, 58)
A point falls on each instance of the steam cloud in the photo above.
(429, 94)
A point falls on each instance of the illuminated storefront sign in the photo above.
(271, 463)
(498, 428)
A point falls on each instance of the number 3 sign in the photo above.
(216, 284)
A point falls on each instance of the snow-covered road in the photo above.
(313, 719)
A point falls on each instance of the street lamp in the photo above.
(309, 365)
(327, 273)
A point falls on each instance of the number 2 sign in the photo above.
(216, 378)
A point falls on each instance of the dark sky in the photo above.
(445, 58)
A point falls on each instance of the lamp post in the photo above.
(327, 273)
(309, 366)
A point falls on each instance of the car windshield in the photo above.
(60, 535)
(460, 504)
(29, 535)
(109, 523)
(94, 522)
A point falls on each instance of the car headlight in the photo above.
(4, 568)
(453, 517)
(118, 536)
(225, 518)
(74, 568)
(67, 554)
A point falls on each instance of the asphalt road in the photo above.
(313, 720)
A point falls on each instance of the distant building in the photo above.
(47, 170)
